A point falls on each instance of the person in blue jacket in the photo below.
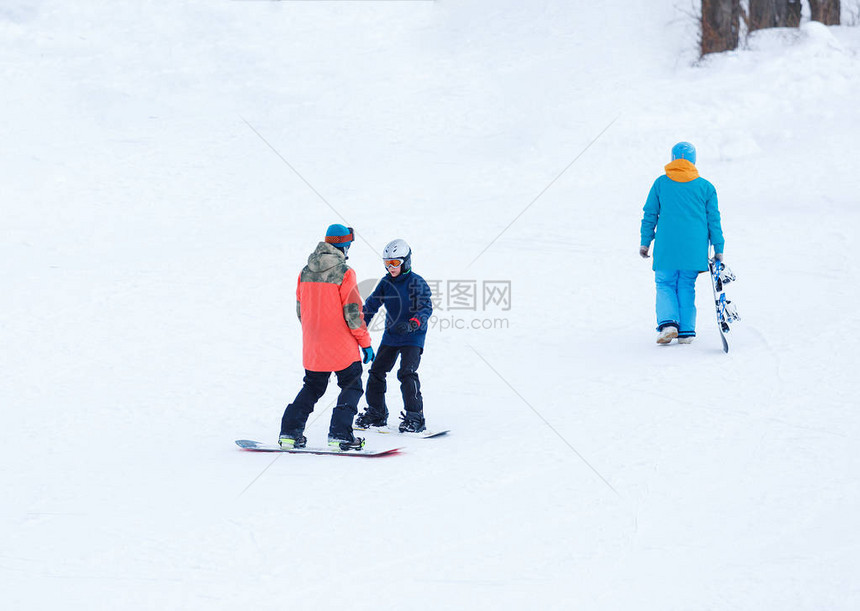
(408, 306)
(682, 218)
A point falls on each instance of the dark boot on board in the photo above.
(371, 417)
(412, 422)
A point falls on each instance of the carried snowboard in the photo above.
(256, 446)
(386, 430)
(726, 311)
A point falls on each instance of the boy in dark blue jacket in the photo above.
(406, 297)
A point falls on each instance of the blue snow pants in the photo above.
(676, 301)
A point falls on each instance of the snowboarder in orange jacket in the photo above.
(334, 334)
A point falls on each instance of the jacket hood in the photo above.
(325, 257)
(681, 170)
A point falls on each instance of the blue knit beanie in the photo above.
(339, 236)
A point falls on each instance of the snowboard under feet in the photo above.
(393, 430)
(256, 446)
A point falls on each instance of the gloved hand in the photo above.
(643, 252)
(368, 355)
(410, 326)
(718, 256)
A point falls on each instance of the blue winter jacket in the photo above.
(405, 297)
(682, 218)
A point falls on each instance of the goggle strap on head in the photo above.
(340, 239)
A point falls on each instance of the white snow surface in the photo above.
(168, 166)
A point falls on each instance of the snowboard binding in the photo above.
(724, 276)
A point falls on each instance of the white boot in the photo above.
(685, 340)
(667, 335)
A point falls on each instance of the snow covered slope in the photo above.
(166, 169)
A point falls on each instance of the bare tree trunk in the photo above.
(774, 14)
(720, 25)
(826, 11)
(792, 13)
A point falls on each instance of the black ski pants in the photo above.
(410, 385)
(315, 383)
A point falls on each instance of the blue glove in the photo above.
(368, 355)
(410, 326)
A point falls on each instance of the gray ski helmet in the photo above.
(399, 249)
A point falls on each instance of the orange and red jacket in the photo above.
(329, 307)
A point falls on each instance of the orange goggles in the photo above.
(393, 263)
